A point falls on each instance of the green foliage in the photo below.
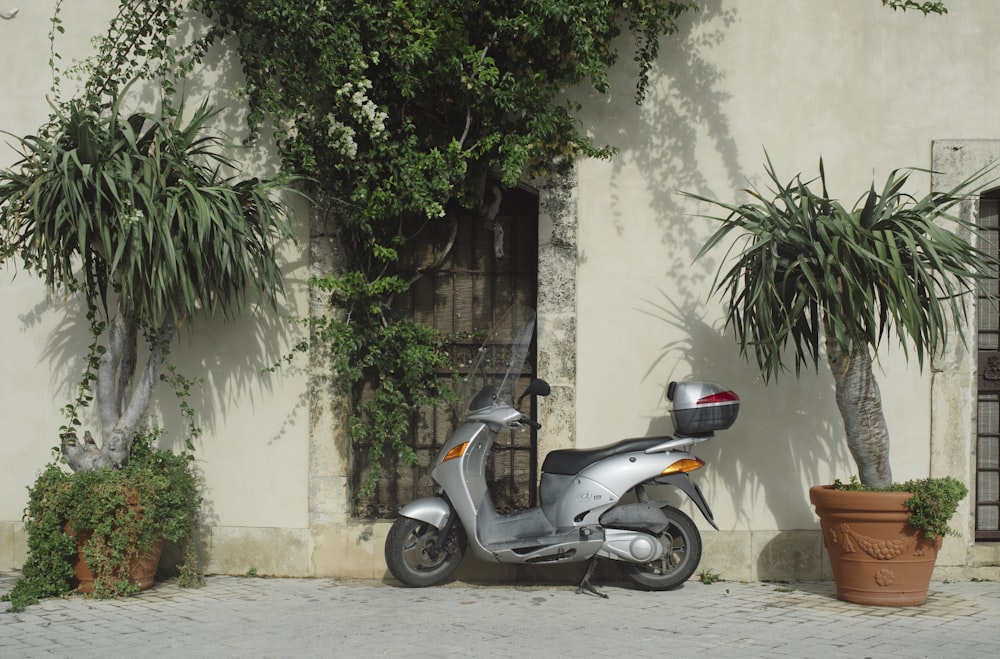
(142, 42)
(181, 386)
(189, 574)
(47, 572)
(802, 260)
(396, 107)
(137, 212)
(141, 203)
(709, 577)
(127, 510)
(401, 110)
(801, 266)
(923, 7)
(388, 370)
(932, 505)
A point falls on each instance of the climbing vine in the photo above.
(923, 7)
(404, 113)
(143, 41)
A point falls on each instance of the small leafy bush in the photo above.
(932, 505)
(125, 510)
(709, 577)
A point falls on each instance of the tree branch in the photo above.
(108, 406)
(126, 365)
(118, 445)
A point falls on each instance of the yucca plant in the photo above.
(139, 215)
(802, 268)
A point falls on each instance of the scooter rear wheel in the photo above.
(412, 558)
(681, 555)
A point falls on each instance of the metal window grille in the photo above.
(487, 269)
(987, 489)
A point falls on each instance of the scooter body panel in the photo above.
(463, 478)
(581, 500)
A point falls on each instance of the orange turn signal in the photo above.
(456, 452)
(684, 466)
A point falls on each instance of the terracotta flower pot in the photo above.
(877, 558)
(142, 573)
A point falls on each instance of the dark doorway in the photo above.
(488, 265)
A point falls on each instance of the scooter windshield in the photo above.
(494, 374)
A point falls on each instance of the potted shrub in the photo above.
(101, 531)
(137, 211)
(807, 272)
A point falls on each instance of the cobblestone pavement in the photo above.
(260, 617)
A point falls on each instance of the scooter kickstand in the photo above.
(585, 585)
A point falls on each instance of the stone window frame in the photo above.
(953, 369)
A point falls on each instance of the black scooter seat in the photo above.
(571, 461)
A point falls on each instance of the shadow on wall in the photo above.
(661, 139)
(785, 430)
(226, 359)
(217, 80)
(791, 556)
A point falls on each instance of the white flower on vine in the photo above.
(362, 108)
(434, 209)
(341, 137)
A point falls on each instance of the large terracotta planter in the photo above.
(142, 573)
(877, 558)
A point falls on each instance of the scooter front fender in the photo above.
(433, 510)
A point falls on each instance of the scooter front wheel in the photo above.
(413, 557)
(681, 554)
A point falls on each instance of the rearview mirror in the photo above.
(537, 387)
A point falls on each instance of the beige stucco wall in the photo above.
(863, 87)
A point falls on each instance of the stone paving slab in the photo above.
(263, 617)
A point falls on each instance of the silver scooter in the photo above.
(594, 502)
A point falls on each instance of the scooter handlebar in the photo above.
(528, 422)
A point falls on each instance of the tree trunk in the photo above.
(122, 401)
(860, 404)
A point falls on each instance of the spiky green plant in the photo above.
(804, 267)
(138, 214)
